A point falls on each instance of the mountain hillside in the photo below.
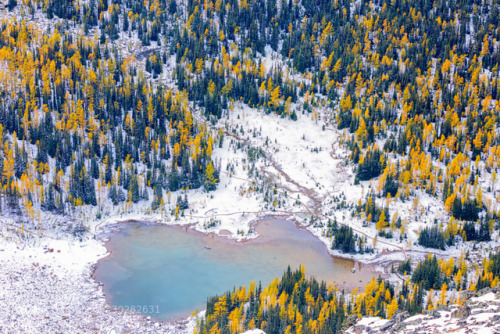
(373, 124)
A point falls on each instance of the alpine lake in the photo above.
(169, 271)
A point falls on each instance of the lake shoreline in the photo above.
(109, 228)
(367, 270)
(105, 227)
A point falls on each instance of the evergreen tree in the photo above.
(432, 238)
(344, 240)
(428, 273)
(371, 166)
(134, 190)
(11, 5)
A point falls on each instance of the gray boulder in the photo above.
(351, 320)
(461, 312)
(386, 326)
(399, 316)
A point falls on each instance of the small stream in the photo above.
(168, 272)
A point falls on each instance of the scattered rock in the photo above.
(442, 307)
(462, 312)
(399, 327)
(496, 318)
(387, 325)
(417, 321)
(400, 316)
(351, 320)
(484, 291)
(466, 295)
(476, 316)
(361, 329)
(434, 314)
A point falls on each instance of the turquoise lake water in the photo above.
(169, 271)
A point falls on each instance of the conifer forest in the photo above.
(375, 125)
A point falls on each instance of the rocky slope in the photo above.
(479, 313)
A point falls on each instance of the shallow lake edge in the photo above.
(108, 228)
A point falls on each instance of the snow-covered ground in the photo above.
(254, 331)
(47, 287)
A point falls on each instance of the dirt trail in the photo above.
(315, 210)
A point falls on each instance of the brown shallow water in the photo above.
(169, 271)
